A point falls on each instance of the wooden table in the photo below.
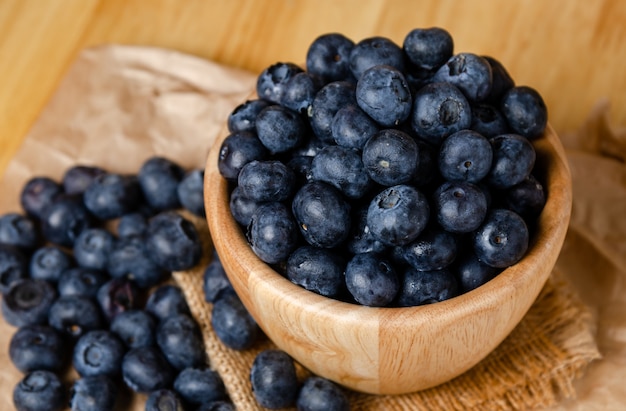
(573, 52)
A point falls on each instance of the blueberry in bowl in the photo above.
(467, 266)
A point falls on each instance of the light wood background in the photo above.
(573, 52)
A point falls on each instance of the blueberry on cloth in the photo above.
(159, 178)
(269, 180)
(130, 258)
(243, 117)
(166, 301)
(273, 378)
(272, 232)
(426, 287)
(428, 48)
(13, 267)
(317, 269)
(525, 111)
(322, 214)
(77, 178)
(352, 127)
(19, 230)
(328, 57)
(391, 157)
(93, 393)
(64, 220)
(92, 248)
(439, 109)
(328, 100)
(39, 391)
(237, 150)
(502, 239)
(343, 168)
(198, 386)
(398, 214)
(173, 241)
(163, 399)
(98, 352)
(465, 156)
(37, 347)
(74, 316)
(191, 192)
(145, 370)
(371, 280)
(232, 322)
(112, 195)
(27, 302)
(214, 281)
(38, 193)
(470, 73)
(181, 342)
(513, 160)
(375, 51)
(81, 281)
(460, 207)
(271, 82)
(135, 328)
(320, 394)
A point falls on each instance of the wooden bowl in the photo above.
(392, 350)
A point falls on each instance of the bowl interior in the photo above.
(392, 350)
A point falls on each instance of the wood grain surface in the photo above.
(573, 52)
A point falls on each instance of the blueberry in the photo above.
(145, 370)
(269, 180)
(470, 73)
(501, 83)
(116, 296)
(181, 342)
(328, 57)
(237, 150)
(317, 269)
(49, 262)
(74, 316)
(272, 232)
(93, 393)
(38, 193)
(163, 400)
(232, 323)
(214, 281)
(439, 109)
(132, 224)
(217, 406)
(343, 168)
(352, 127)
(167, 301)
(98, 352)
(502, 239)
(134, 327)
(426, 287)
(243, 117)
(299, 92)
(241, 207)
(190, 192)
(280, 129)
(112, 195)
(375, 51)
(39, 391)
(390, 157)
(434, 249)
(371, 280)
(465, 156)
(513, 160)
(173, 241)
(77, 178)
(159, 178)
(271, 82)
(460, 206)
(361, 239)
(19, 230)
(13, 267)
(526, 198)
(81, 281)
(92, 248)
(64, 220)
(428, 48)
(197, 386)
(37, 347)
(273, 378)
(27, 302)
(384, 94)
(328, 100)
(320, 394)
(322, 213)
(472, 273)
(488, 120)
(130, 258)
(525, 111)
(398, 214)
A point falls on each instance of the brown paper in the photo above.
(119, 105)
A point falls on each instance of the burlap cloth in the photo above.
(119, 105)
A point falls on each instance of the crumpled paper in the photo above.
(121, 104)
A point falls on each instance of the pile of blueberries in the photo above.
(386, 174)
(84, 277)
